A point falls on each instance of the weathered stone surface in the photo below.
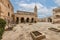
(37, 35)
(22, 31)
(5, 9)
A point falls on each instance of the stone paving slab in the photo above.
(22, 31)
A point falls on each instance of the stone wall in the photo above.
(25, 18)
(56, 15)
(6, 10)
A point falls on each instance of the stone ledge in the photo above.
(37, 35)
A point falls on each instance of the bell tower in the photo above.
(35, 10)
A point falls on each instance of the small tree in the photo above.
(2, 27)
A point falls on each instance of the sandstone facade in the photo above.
(6, 10)
(7, 13)
(56, 15)
(26, 17)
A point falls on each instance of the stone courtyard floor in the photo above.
(22, 31)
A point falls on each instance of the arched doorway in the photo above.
(17, 20)
(22, 20)
(32, 20)
(49, 20)
(27, 20)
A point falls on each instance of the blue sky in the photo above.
(45, 7)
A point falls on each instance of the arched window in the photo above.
(22, 20)
(49, 20)
(27, 20)
(32, 20)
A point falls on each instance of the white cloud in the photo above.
(30, 7)
(42, 10)
(57, 2)
(41, 16)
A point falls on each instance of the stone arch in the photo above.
(32, 20)
(17, 20)
(27, 20)
(22, 20)
(49, 20)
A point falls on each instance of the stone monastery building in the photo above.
(7, 13)
(26, 17)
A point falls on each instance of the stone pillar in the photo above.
(52, 20)
(36, 19)
(19, 20)
(25, 20)
(29, 20)
(15, 20)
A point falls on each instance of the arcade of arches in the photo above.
(23, 20)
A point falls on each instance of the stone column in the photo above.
(25, 20)
(15, 20)
(30, 20)
(52, 20)
(19, 20)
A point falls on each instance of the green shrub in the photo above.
(2, 26)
